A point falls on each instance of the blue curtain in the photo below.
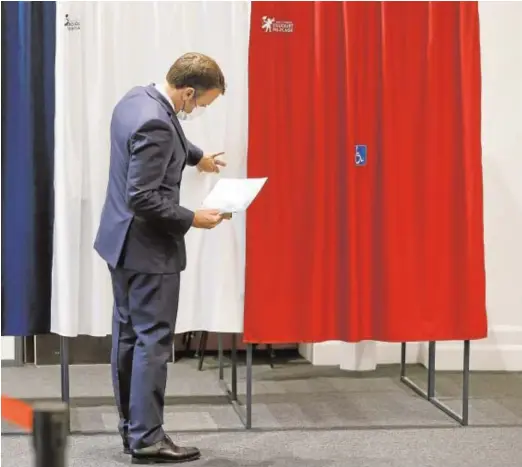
(28, 51)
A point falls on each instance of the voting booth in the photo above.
(368, 225)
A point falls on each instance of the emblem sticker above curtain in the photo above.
(365, 117)
(103, 50)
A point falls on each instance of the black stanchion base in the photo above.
(243, 411)
(429, 395)
(50, 430)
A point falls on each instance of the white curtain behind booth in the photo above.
(105, 49)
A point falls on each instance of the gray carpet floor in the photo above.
(454, 447)
(302, 415)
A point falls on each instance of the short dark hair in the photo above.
(197, 71)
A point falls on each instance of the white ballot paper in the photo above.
(231, 195)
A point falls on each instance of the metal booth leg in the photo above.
(64, 370)
(429, 395)
(243, 411)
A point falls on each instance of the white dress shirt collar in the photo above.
(163, 92)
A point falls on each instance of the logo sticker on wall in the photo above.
(71, 24)
(361, 154)
(269, 24)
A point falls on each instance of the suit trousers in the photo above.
(144, 318)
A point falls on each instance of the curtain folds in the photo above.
(108, 48)
(391, 250)
(28, 49)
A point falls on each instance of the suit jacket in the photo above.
(142, 225)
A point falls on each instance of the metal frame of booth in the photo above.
(429, 394)
(244, 410)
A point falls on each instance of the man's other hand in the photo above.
(206, 218)
(210, 163)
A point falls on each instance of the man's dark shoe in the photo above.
(126, 447)
(164, 452)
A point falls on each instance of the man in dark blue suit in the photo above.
(141, 237)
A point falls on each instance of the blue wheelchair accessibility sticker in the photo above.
(361, 153)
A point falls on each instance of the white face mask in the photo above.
(196, 112)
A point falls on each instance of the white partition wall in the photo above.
(8, 348)
(501, 50)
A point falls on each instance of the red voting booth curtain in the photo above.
(391, 250)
